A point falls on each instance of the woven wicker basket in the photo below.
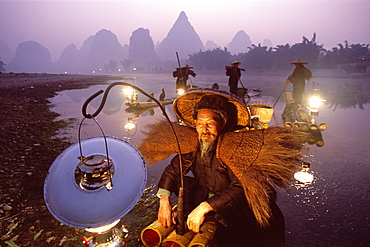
(241, 92)
(264, 112)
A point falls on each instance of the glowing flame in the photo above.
(315, 102)
(180, 91)
(128, 91)
(102, 229)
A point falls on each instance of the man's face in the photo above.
(298, 65)
(208, 125)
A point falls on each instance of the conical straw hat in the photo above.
(238, 114)
(298, 61)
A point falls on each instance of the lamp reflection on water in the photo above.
(303, 176)
(130, 125)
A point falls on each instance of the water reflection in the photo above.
(304, 177)
(131, 125)
(137, 109)
(332, 209)
(348, 94)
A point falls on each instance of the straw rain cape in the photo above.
(260, 159)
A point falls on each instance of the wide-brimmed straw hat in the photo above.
(237, 112)
(298, 62)
(236, 62)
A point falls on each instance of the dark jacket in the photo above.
(298, 78)
(228, 196)
(234, 73)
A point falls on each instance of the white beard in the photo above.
(205, 150)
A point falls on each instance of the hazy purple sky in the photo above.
(56, 24)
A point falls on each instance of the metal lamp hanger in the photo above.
(180, 215)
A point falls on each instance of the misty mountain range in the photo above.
(103, 52)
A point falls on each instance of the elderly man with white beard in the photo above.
(212, 190)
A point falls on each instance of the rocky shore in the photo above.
(27, 150)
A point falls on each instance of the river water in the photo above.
(334, 210)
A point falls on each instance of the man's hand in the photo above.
(165, 211)
(287, 81)
(197, 216)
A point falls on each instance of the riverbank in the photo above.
(27, 150)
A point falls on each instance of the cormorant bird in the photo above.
(162, 95)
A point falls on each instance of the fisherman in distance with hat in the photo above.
(182, 75)
(298, 78)
(234, 170)
(234, 73)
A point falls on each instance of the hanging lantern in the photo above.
(95, 192)
(314, 103)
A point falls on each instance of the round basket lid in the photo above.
(76, 207)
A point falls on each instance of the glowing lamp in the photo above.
(314, 103)
(128, 91)
(94, 172)
(95, 192)
(180, 91)
(102, 229)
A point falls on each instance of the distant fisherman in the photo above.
(182, 75)
(298, 78)
(234, 73)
